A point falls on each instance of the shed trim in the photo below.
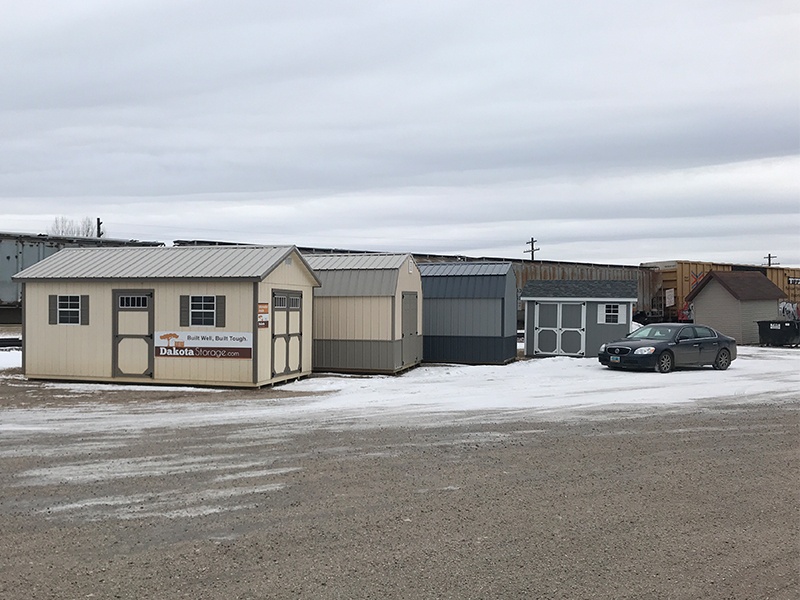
(575, 299)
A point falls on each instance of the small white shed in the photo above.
(222, 315)
(367, 313)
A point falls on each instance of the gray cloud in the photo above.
(621, 132)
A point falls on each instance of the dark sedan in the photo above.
(665, 346)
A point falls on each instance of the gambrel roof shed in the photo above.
(357, 274)
(367, 314)
(470, 312)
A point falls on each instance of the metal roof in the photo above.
(458, 269)
(192, 262)
(467, 280)
(579, 289)
(356, 275)
(328, 262)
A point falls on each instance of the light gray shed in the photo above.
(367, 313)
(734, 301)
(573, 318)
(469, 312)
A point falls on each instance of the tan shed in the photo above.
(733, 303)
(222, 315)
(368, 313)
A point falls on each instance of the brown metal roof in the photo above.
(742, 285)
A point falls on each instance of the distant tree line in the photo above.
(69, 227)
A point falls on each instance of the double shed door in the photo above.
(287, 332)
(560, 328)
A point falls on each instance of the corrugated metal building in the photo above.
(573, 318)
(469, 313)
(19, 251)
(733, 303)
(367, 314)
(230, 316)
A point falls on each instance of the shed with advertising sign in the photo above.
(220, 316)
(367, 314)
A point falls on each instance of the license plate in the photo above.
(615, 359)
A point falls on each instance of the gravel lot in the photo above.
(695, 501)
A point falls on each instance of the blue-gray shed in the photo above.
(469, 313)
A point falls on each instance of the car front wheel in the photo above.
(665, 362)
(723, 360)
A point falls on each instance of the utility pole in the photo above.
(99, 231)
(769, 258)
(533, 248)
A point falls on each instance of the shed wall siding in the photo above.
(715, 307)
(358, 356)
(480, 317)
(347, 318)
(602, 333)
(510, 309)
(408, 282)
(754, 311)
(67, 351)
(239, 311)
(470, 350)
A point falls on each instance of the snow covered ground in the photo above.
(429, 395)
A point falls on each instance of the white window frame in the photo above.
(71, 310)
(603, 313)
(199, 311)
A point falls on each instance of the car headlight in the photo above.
(602, 348)
(644, 350)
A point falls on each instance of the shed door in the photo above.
(133, 322)
(410, 312)
(560, 328)
(287, 332)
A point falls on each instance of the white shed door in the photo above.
(559, 328)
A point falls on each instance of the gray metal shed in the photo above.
(469, 313)
(573, 318)
(367, 314)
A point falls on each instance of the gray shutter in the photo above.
(220, 316)
(184, 311)
(53, 309)
(84, 310)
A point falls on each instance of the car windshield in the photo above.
(653, 332)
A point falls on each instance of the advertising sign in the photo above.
(188, 344)
(263, 315)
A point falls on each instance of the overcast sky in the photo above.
(614, 132)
